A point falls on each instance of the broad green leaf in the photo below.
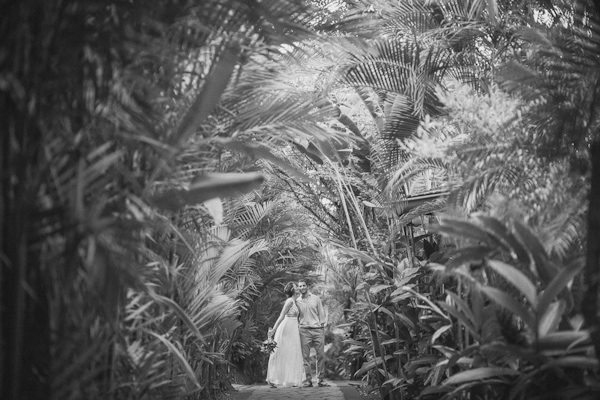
(572, 362)
(369, 365)
(458, 227)
(460, 317)
(463, 307)
(448, 352)
(576, 321)
(435, 390)
(426, 300)
(456, 360)
(310, 151)
(392, 341)
(424, 360)
(325, 147)
(385, 310)
(544, 269)
(549, 321)
(560, 281)
(208, 186)
(562, 340)
(394, 381)
(345, 120)
(379, 287)
(466, 387)
(355, 342)
(407, 321)
(358, 349)
(504, 235)
(399, 296)
(479, 374)
(468, 254)
(406, 277)
(216, 82)
(516, 278)
(505, 300)
(439, 333)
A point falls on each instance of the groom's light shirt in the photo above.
(312, 314)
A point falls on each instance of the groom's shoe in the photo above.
(308, 384)
(323, 384)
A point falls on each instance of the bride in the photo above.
(285, 362)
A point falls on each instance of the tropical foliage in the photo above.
(167, 166)
(484, 142)
(119, 278)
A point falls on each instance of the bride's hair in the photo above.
(289, 289)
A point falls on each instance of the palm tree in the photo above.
(413, 52)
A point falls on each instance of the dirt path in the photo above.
(339, 390)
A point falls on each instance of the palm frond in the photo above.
(565, 232)
(400, 121)
(475, 188)
(370, 18)
(400, 67)
(415, 167)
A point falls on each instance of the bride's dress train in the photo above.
(285, 363)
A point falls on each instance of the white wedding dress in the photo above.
(285, 363)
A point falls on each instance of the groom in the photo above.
(312, 332)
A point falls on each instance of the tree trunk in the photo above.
(592, 268)
(24, 319)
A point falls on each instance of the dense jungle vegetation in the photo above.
(167, 165)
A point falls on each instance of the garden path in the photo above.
(339, 390)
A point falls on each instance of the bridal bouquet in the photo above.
(268, 346)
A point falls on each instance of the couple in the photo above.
(300, 326)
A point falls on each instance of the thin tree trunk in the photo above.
(4, 271)
(592, 268)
